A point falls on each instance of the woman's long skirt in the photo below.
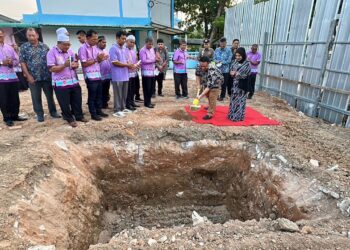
(237, 103)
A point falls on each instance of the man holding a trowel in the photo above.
(211, 79)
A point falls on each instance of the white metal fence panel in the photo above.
(295, 52)
(276, 53)
(338, 73)
(325, 12)
(299, 65)
(316, 54)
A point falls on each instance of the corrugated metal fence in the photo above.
(306, 52)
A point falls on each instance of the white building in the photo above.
(141, 17)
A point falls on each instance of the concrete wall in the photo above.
(165, 37)
(135, 8)
(49, 37)
(161, 12)
(106, 8)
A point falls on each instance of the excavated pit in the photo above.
(92, 193)
(161, 187)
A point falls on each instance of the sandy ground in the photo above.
(28, 153)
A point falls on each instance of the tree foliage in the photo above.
(203, 16)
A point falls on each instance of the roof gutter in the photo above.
(18, 25)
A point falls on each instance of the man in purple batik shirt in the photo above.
(106, 74)
(120, 74)
(90, 60)
(62, 63)
(132, 58)
(254, 58)
(180, 72)
(9, 97)
(148, 67)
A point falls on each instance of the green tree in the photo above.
(204, 16)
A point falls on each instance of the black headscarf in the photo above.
(242, 52)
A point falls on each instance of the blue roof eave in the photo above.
(94, 21)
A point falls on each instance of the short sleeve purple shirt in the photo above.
(118, 53)
(148, 61)
(8, 74)
(66, 78)
(180, 56)
(132, 57)
(256, 58)
(87, 53)
(105, 66)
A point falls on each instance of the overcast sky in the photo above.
(16, 8)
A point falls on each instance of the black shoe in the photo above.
(84, 120)
(96, 117)
(20, 119)
(73, 124)
(178, 97)
(220, 99)
(206, 108)
(138, 100)
(207, 117)
(135, 105)
(130, 108)
(9, 123)
(150, 106)
(161, 95)
(153, 96)
(56, 116)
(100, 113)
(40, 118)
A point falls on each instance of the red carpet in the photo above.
(252, 118)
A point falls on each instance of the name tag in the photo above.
(93, 75)
(147, 72)
(180, 71)
(65, 83)
(8, 76)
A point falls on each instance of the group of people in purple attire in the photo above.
(55, 70)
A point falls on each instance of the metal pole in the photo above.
(263, 61)
(324, 65)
